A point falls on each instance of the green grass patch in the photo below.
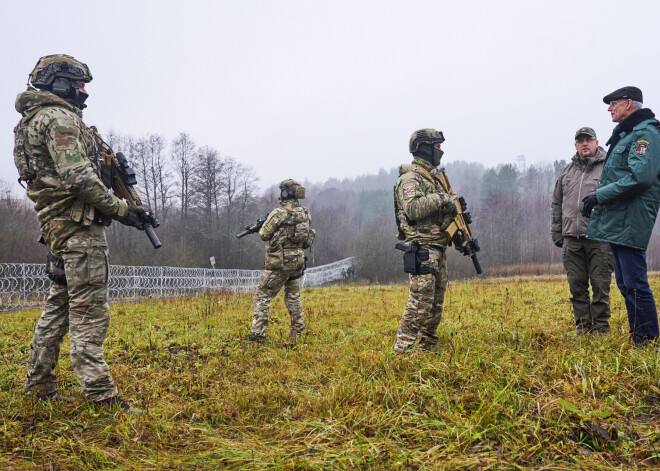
(509, 388)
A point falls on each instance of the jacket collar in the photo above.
(628, 124)
(31, 99)
(290, 204)
(599, 157)
(419, 162)
(425, 164)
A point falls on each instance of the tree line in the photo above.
(203, 199)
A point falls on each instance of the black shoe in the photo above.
(643, 342)
(116, 401)
(600, 331)
(257, 338)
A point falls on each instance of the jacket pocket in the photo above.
(294, 260)
(310, 239)
(97, 263)
(612, 220)
(78, 210)
(619, 158)
(274, 258)
(86, 266)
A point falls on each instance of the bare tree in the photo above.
(159, 178)
(137, 156)
(183, 153)
(148, 157)
(19, 229)
(207, 184)
(114, 140)
(238, 187)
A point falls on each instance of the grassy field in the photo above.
(509, 388)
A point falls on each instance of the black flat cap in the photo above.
(629, 93)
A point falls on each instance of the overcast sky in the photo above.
(311, 89)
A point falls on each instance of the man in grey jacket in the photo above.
(584, 260)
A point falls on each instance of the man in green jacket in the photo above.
(625, 205)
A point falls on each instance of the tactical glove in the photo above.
(450, 207)
(446, 222)
(588, 203)
(559, 243)
(134, 217)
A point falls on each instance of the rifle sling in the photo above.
(429, 177)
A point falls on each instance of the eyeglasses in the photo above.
(614, 102)
(583, 139)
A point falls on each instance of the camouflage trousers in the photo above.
(270, 284)
(424, 308)
(588, 261)
(81, 308)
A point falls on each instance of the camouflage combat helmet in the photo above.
(49, 68)
(293, 189)
(426, 135)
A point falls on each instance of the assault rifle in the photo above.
(252, 228)
(459, 231)
(117, 174)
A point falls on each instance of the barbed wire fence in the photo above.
(24, 285)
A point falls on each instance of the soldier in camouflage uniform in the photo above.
(422, 212)
(55, 154)
(288, 234)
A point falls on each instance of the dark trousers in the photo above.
(588, 261)
(630, 272)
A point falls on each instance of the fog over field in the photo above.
(312, 90)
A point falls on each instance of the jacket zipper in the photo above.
(577, 216)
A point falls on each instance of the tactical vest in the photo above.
(427, 230)
(30, 171)
(295, 231)
(21, 157)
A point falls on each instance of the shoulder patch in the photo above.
(408, 189)
(641, 147)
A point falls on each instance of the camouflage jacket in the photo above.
(60, 150)
(419, 205)
(287, 232)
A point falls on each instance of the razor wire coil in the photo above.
(25, 285)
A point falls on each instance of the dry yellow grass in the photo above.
(509, 388)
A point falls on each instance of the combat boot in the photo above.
(116, 401)
(257, 338)
(293, 337)
(428, 347)
(52, 396)
(399, 347)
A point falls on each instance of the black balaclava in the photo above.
(429, 153)
(79, 98)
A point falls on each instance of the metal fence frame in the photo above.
(25, 285)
